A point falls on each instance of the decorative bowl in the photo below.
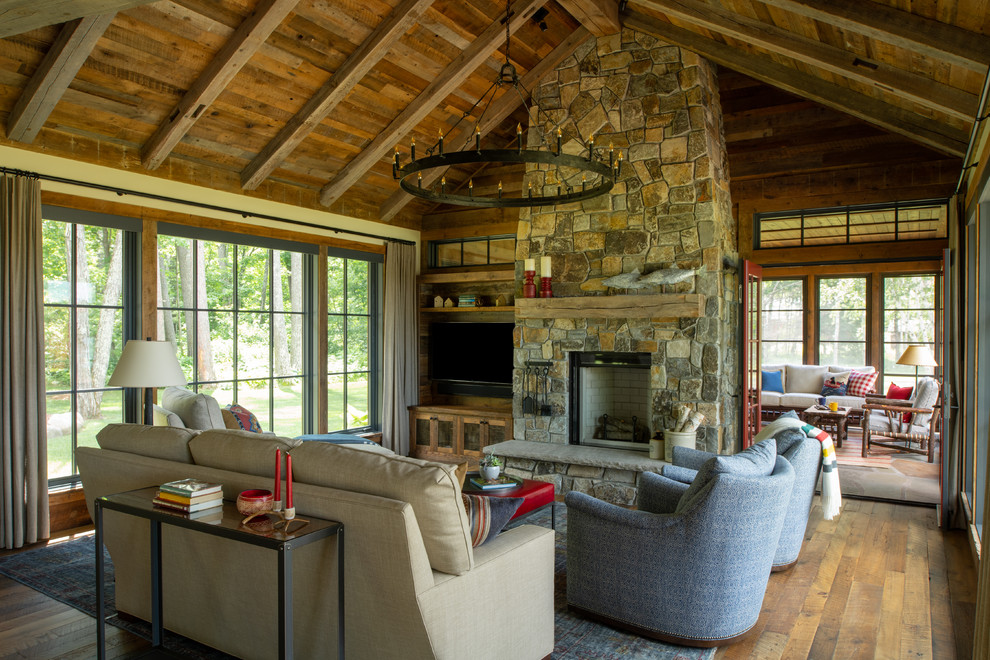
(250, 502)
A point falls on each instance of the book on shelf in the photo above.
(190, 487)
(187, 508)
(503, 481)
(182, 499)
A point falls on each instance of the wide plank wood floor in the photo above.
(880, 581)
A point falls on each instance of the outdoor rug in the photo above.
(65, 572)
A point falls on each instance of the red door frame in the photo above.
(752, 303)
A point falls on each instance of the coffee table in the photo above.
(537, 495)
(825, 419)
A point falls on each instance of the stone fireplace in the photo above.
(670, 211)
(610, 400)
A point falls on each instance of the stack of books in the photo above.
(199, 499)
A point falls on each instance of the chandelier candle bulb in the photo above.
(396, 158)
(591, 147)
(582, 182)
(477, 138)
(412, 148)
(443, 184)
(558, 141)
(611, 155)
(500, 190)
(419, 179)
(440, 141)
(531, 191)
(519, 138)
(471, 187)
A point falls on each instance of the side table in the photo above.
(139, 503)
(837, 421)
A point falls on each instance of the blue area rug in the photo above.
(65, 572)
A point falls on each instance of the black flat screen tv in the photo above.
(471, 358)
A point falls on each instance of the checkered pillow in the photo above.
(860, 384)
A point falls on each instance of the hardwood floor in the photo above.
(880, 581)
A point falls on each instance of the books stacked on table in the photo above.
(199, 499)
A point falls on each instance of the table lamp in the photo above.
(148, 364)
(919, 356)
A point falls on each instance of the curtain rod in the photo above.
(202, 205)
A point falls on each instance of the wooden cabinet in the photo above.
(441, 432)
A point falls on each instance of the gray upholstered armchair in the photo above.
(805, 456)
(909, 425)
(691, 565)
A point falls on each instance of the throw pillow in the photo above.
(861, 384)
(488, 515)
(756, 461)
(901, 393)
(773, 381)
(229, 421)
(834, 388)
(245, 418)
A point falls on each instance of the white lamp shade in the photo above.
(145, 363)
(917, 356)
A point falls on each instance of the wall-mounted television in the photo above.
(471, 358)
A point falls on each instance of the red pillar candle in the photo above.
(288, 485)
(278, 475)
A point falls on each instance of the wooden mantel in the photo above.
(676, 305)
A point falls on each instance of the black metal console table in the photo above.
(139, 503)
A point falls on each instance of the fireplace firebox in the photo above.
(610, 400)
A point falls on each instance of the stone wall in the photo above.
(659, 106)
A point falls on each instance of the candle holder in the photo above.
(529, 287)
(545, 290)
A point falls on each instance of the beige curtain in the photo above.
(401, 376)
(24, 476)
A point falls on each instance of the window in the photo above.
(864, 223)
(842, 321)
(87, 288)
(908, 318)
(782, 319)
(353, 348)
(237, 315)
(482, 251)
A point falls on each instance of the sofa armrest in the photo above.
(689, 457)
(678, 473)
(659, 494)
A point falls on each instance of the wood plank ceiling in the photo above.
(304, 101)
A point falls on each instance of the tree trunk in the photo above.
(280, 341)
(184, 257)
(166, 324)
(107, 326)
(207, 371)
(296, 302)
(87, 405)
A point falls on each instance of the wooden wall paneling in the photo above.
(149, 279)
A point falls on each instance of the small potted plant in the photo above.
(491, 467)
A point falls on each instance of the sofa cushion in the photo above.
(164, 417)
(756, 461)
(197, 411)
(488, 515)
(860, 383)
(773, 381)
(770, 398)
(431, 489)
(165, 442)
(865, 369)
(798, 400)
(239, 451)
(806, 378)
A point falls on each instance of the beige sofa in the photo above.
(803, 387)
(414, 586)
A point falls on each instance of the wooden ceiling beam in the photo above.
(939, 41)
(494, 116)
(600, 17)
(942, 138)
(20, 16)
(350, 73)
(443, 85)
(918, 89)
(231, 58)
(74, 43)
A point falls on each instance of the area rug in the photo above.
(65, 571)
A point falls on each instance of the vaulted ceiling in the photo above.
(304, 101)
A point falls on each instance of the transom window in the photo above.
(864, 223)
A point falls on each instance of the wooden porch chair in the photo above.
(886, 425)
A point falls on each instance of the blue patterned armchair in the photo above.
(691, 565)
(805, 456)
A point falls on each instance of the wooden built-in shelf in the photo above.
(503, 308)
(676, 305)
